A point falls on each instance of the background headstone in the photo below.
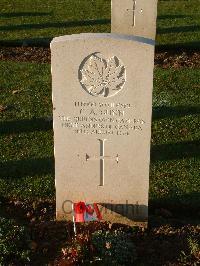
(134, 17)
(102, 98)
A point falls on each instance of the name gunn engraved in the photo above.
(101, 118)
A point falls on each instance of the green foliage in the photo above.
(114, 248)
(193, 245)
(14, 241)
(101, 247)
(79, 250)
(37, 22)
(192, 253)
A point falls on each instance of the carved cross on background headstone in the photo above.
(102, 159)
(134, 17)
(134, 11)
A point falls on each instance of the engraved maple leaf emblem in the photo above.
(102, 77)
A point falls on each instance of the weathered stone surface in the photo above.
(102, 99)
(134, 17)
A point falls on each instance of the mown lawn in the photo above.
(27, 181)
(37, 22)
(26, 136)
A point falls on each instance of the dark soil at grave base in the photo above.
(170, 59)
(160, 244)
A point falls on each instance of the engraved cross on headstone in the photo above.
(102, 159)
(134, 11)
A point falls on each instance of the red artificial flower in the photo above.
(80, 207)
(89, 209)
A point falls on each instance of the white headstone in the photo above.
(134, 17)
(102, 99)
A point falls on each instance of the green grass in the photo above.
(26, 137)
(175, 167)
(179, 23)
(26, 141)
(38, 21)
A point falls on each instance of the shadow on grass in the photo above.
(55, 25)
(178, 47)
(40, 166)
(178, 29)
(28, 167)
(26, 125)
(45, 42)
(177, 111)
(24, 14)
(32, 42)
(184, 205)
(173, 16)
(172, 151)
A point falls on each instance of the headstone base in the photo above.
(112, 217)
